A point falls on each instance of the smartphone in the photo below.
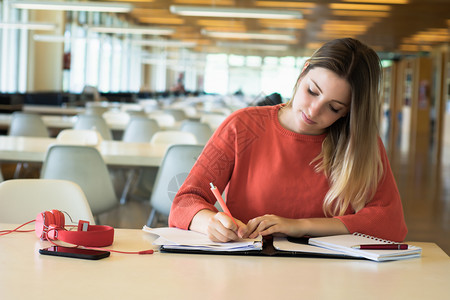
(74, 252)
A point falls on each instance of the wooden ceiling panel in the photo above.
(390, 28)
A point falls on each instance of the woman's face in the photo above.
(322, 97)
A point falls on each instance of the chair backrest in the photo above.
(116, 117)
(174, 169)
(177, 113)
(27, 124)
(202, 131)
(213, 120)
(170, 137)
(21, 200)
(94, 122)
(140, 130)
(164, 120)
(79, 137)
(84, 166)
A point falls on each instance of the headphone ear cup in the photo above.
(59, 218)
(43, 220)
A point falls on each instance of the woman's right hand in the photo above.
(219, 227)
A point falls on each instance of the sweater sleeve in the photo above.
(383, 215)
(215, 164)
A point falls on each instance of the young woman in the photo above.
(314, 166)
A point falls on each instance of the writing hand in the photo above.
(221, 228)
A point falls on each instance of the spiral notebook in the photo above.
(345, 243)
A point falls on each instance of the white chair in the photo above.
(213, 120)
(146, 179)
(170, 137)
(174, 169)
(96, 122)
(116, 117)
(140, 130)
(84, 166)
(21, 200)
(79, 137)
(30, 125)
(202, 131)
(164, 120)
(177, 113)
(27, 124)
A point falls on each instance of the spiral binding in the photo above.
(373, 238)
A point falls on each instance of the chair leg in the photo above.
(17, 170)
(126, 188)
(151, 218)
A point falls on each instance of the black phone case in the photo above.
(75, 252)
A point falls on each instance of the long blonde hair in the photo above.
(350, 156)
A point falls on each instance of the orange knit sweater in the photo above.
(268, 171)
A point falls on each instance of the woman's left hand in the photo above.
(271, 224)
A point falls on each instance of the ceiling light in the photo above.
(168, 43)
(370, 7)
(50, 38)
(379, 1)
(254, 46)
(73, 6)
(231, 12)
(133, 30)
(28, 25)
(249, 35)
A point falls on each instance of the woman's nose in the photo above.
(314, 108)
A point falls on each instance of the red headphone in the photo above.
(50, 225)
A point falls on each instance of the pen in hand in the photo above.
(381, 247)
(219, 199)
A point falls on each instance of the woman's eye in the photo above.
(312, 93)
(334, 109)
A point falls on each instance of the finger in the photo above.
(220, 231)
(226, 221)
(263, 225)
(251, 226)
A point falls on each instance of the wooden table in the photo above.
(25, 274)
(114, 153)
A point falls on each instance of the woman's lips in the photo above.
(307, 120)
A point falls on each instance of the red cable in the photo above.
(5, 232)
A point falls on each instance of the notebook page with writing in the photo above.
(345, 242)
(175, 238)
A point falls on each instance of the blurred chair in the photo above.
(202, 131)
(169, 137)
(84, 166)
(116, 117)
(27, 124)
(94, 122)
(213, 120)
(79, 137)
(177, 113)
(174, 169)
(145, 182)
(164, 120)
(30, 125)
(140, 130)
(21, 200)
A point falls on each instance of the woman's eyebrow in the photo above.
(320, 90)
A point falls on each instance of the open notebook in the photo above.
(174, 240)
